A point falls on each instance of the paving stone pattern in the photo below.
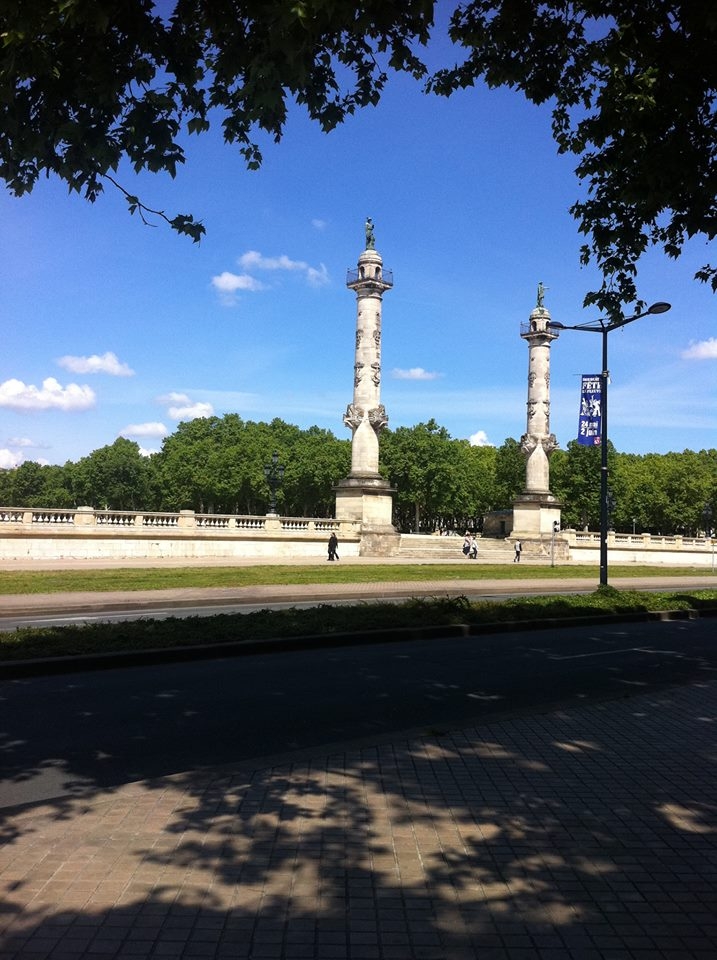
(588, 834)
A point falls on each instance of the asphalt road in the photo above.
(66, 735)
(66, 608)
(59, 619)
(8, 624)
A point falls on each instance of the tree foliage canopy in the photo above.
(86, 84)
(216, 465)
(633, 88)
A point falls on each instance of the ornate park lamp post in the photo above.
(604, 327)
(274, 473)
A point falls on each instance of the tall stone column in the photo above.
(364, 495)
(536, 509)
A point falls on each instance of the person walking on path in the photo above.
(333, 547)
(518, 549)
(466, 544)
(473, 552)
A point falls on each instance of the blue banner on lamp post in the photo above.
(590, 420)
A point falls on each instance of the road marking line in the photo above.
(607, 653)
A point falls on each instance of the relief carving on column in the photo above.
(528, 443)
(531, 409)
(378, 418)
(358, 367)
(532, 376)
(359, 335)
(353, 416)
(550, 443)
(376, 375)
(377, 336)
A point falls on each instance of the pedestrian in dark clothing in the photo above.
(333, 547)
(518, 548)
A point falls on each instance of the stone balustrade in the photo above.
(647, 548)
(634, 539)
(87, 533)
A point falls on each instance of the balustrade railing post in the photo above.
(85, 517)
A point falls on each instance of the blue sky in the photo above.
(111, 328)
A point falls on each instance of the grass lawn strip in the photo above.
(324, 620)
(157, 578)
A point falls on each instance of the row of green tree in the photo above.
(216, 465)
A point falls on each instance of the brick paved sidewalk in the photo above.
(589, 834)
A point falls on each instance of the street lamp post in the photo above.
(611, 504)
(274, 473)
(604, 327)
(707, 522)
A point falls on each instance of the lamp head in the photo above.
(659, 307)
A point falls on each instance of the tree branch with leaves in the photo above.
(86, 86)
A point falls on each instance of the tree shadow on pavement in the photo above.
(569, 834)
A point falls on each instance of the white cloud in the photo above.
(9, 459)
(13, 455)
(191, 411)
(51, 396)
(107, 363)
(253, 260)
(151, 429)
(479, 439)
(144, 452)
(181, 407)
(21, 442)
(415, 373)
(229, 284)
(317, 277)
(318, 224)
(701, 350)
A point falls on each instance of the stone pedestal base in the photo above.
(368, 500)
(534, 515)
(379, 543)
